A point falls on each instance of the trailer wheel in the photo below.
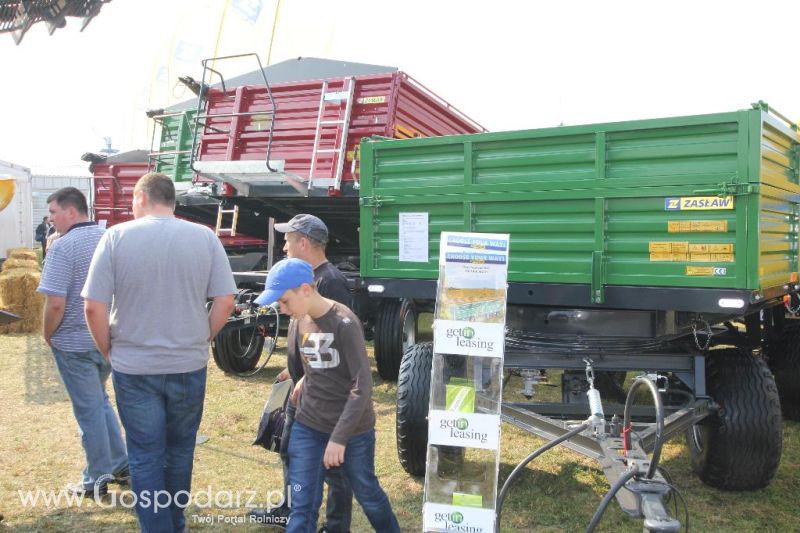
(413, 398)
(395, 332)
(784, 361)
(739, 446)
(221, 362)
(413, 395)
(239, 350)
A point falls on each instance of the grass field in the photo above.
(40, 449)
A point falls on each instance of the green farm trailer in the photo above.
(667, 247)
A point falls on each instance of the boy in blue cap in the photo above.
(335, 422)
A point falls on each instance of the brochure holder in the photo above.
(466, 383)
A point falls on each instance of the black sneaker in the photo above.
(277, 516)
(122, 476)
(86, 492)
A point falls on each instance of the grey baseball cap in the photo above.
(308, 225)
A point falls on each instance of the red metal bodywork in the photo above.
(391, 105)
(113, 190)
(113, 196)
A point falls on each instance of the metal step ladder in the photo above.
(222, 211)
(328, 99)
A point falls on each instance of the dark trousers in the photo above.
(306, 473)
(339, 510)
(161, 414)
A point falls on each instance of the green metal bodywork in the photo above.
(177, 130)
(584, 204)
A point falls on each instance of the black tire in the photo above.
(739, 446)
(413, 395)
(222, 363)
(784, 361)
(395, 332)
(238, 350)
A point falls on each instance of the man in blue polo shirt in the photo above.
(83, 369)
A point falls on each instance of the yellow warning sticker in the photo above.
(723, 257)
(669, 251)
(680, 247)
(668, 257)
(711, 226)
(698, 248)
(697, 226)
(679, 226)
(371, 100)
(700, 258)
(706, 271)
(720, 248)
(699, 271)
(660, 257)
(660, 247)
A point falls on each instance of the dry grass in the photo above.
(40, 448)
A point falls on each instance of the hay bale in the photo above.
(22, 253)
(18, 295)
(20, 264)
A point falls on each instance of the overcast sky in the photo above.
(507, 64)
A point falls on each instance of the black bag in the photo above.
(40, 231)
(273, 417)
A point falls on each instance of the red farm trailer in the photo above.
(301, 138)
(272, 146)
(278, 149)
(112, 194)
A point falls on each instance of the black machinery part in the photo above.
(395, 332)
(738, 447)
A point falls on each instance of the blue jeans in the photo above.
(161, 414)
(339, 511)
(306, 473)
(85, 375)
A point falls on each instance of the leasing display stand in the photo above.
(466, 383)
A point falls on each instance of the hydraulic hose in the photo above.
(520, 467)
(598, 514)
(643, 381)
(258, 369)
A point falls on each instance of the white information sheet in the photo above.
(413, 237)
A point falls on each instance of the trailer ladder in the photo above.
(327, 99)
(222, 211)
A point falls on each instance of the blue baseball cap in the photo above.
(285, 275)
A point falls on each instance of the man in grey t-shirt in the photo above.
(156, 273)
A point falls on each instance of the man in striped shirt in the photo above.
(83, 369)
